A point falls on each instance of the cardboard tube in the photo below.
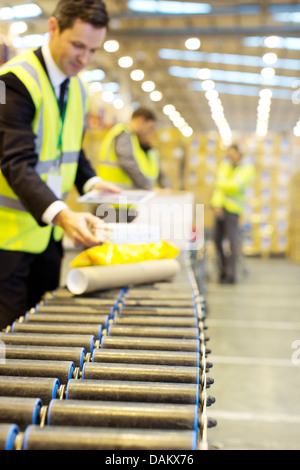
(94, 278)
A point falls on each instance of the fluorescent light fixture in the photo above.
(111, 46)
(234, 77)
(192, 44)
(287, 17)
(30, 41)
(244, 90)
(284, 43)
(113, 87)
(231, 59)
(96, 75)
(29, 10)
(169, 7)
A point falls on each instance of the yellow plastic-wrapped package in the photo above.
(111, 254)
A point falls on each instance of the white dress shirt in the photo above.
(57, 77)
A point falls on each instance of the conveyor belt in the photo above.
(126, 371)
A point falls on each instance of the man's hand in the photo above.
(78, 226)
(163, 191)
(106, 187)
(219, 212)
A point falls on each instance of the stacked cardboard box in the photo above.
(294, 234)
(171, 146)
(266, 219)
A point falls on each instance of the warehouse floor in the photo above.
(252, 327)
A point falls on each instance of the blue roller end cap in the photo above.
(11, 437)
(36, 411)
(56, 386)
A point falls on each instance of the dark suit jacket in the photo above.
(17, 149)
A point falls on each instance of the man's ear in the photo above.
(53, 26)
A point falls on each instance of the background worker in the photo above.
(127, 157)
(41, 155)
(233, 178)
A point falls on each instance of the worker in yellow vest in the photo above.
(41, 156)
(228, 200)
(127, 157)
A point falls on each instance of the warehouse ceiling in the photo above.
(229, 62)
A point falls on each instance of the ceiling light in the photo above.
(175, 115)
(192, 44)
(204, 74)
(297, 131)
(118, 103)
(187, 131)
(212, 95)
(137, 75)
(179, 122)
(95, 87)
(19, 27)
(169, 109)
(268, 72)
(108, 96)
(270, 58)
(156, 96)
(111, 46)
(272, 41)
(148, 86)
(125, 62)
(265, 94)
(6, 13)
(208, 85)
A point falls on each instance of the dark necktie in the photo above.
(63, 95)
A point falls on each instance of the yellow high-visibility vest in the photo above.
(230, 186)
(57, 145)
(109, 168)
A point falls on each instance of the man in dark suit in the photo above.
(41, 157)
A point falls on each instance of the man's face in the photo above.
(74, 48)
(234, 155)
(145, 130)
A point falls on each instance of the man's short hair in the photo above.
(145, 113)
(90, 11)
(235, 147)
